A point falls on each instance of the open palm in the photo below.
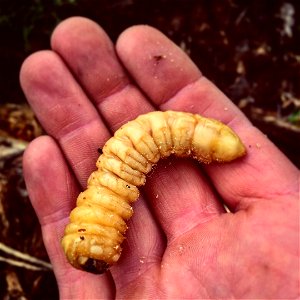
(181, 243)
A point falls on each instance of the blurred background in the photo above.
(250, 49)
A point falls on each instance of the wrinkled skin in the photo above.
(181, 243)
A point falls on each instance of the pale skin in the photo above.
(181, 243)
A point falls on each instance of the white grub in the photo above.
(140, 140)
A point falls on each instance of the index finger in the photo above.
(172, 81)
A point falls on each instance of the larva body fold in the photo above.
(92, 240)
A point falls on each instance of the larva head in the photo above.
(227, 146)
(80, 257)
(90, 251)
(92, 265)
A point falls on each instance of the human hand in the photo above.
(181, 243)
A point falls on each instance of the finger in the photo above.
(52, 190)
(90, 54)
(64, 110)
(173, 82)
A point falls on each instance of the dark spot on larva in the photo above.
(95, 266)
(81, 230)
(84, 198)
(99, 150)
(82, 238)
(128, 186)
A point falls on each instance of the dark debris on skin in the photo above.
(95, 266)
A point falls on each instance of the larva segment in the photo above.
(141, 139)
(123, 149)
(92, 240)
(116, 184)
(91, 252)
(85, 229)
(159, 129)
(182, 131)
(115, 165)
(102, 197)
(101, 216)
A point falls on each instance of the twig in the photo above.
(25, 257)
(11, 147)
(21, 264)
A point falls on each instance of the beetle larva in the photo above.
(92, 240)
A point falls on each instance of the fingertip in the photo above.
(41, 156)
(136, 31)
(74, 28)
(37, 71)
(159, 66)
(141, 36)
(31, 66)
(35, 154)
